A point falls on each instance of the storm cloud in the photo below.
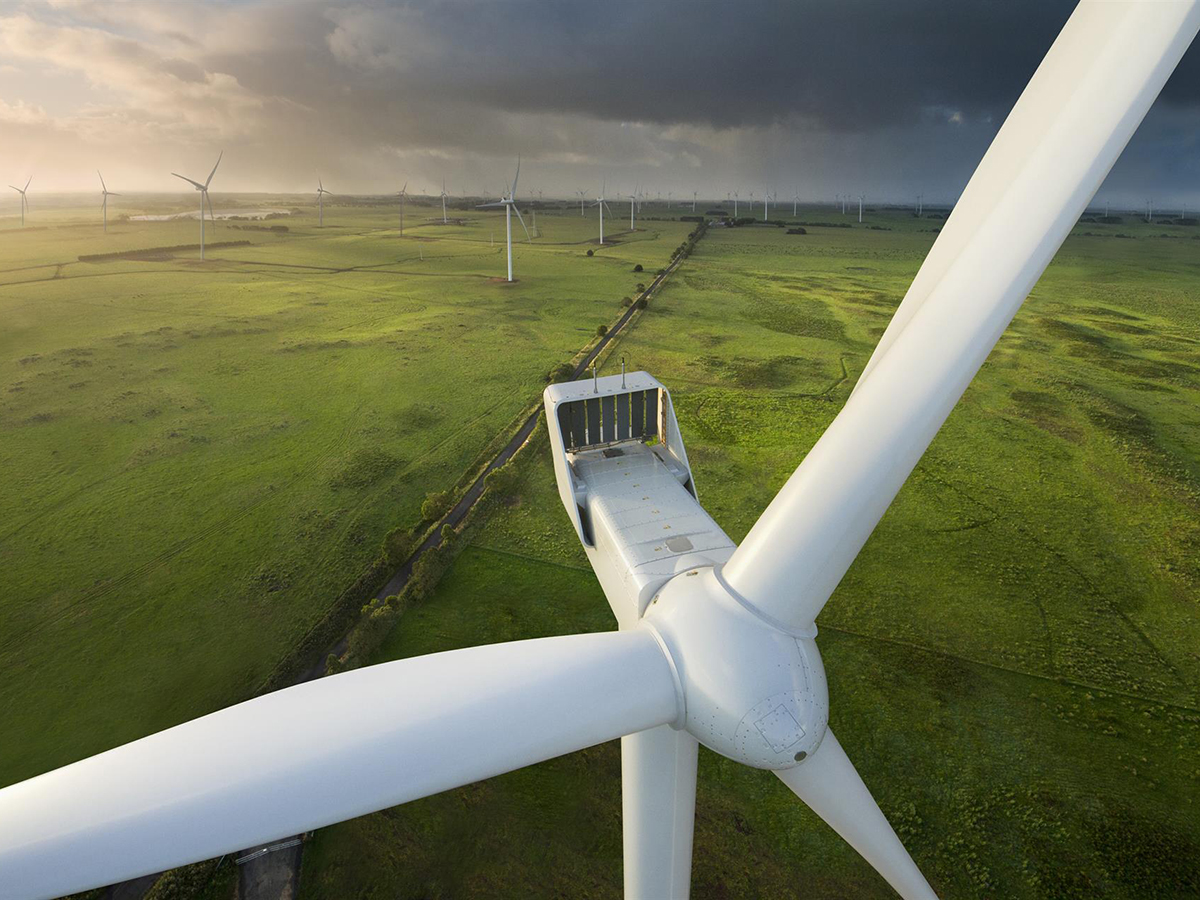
(814, 97)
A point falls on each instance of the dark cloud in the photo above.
(840, 65)
(822, 97)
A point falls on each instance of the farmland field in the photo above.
(197, 459)
(1013, 659)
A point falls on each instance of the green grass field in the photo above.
(1013, 658)
(198, 458)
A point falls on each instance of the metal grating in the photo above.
(608, 419)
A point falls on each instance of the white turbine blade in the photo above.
(830, 786)
(326, 751)
(1058, 144)
(211, 216)
(27, 181)
(197, 185)
(517, 210)
(498, 204)
(658, 811)
(513, 193)
(208, 181)
(103, 186)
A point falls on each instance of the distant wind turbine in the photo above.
(602, 203)
(860, 201)
(104, 205)
(766, 204)
(694, 200)
(321, 192)
(509, 203)
(403, 195)
(24, 199)
(444, 195)
(735, 200)
(632, 204)
(581, 194)
(795, 203)
(204, 198)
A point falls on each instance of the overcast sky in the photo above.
(884, 97)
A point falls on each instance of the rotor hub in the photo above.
(751, 690)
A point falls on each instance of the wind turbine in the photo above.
(204, 198)
(581, 198)
(602, 203)
(716, 644)
(766, 200)
(735, 201)
(694, 193)
(444, 195)
(795, 203)
(24, 199)
(403, 195)
(321, 192)
(104, 204)
(632, 204)
(860, 203)
(509, 203)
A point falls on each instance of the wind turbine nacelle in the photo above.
(624, 479)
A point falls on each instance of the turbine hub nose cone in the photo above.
(751, 691)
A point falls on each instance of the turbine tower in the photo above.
(444, 195)
(204, 198)
(602, 203)
(509, 203)
(403, 195)
(860, 202)
(766, 201)
(795, 203)
(106, 193)
(321, 192)
(735, 204)
(24, 199)
(582, 195)
(717, 641)
(694, 193)
(632, 204)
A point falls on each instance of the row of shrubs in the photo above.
(376, 620)
(177, 248)
(275, 229)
